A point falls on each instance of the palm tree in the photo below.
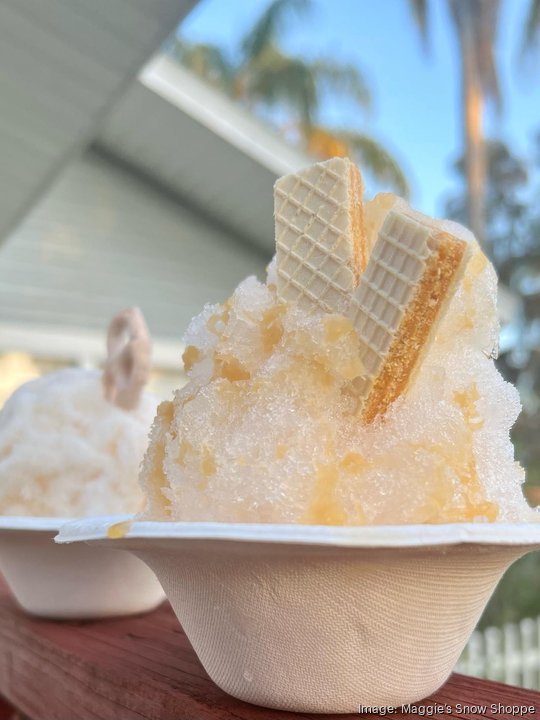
(289, 90)
(475, 25)
(531, 29)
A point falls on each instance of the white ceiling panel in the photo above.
(201, 145)
(62, 64)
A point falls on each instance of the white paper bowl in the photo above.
(324, 619)
(71, 582)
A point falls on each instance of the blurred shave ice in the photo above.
(71, 442)
(356, 386)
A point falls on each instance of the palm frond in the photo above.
(275, 79)
(341, 78)
(531, 28)
(419, 9)
(268, 26)
(376, 160)
(205, 60)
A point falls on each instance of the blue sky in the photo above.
(416, 111)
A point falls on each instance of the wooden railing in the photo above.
(144, 668)
(508, 654)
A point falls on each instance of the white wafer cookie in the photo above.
(410, 277)
(320, 243)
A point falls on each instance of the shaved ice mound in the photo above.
(65, 451)
(266, 429)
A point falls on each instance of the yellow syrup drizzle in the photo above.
(229, 368)
(208, 463)
(190, 356)
(324, 508)
(271, 327)
(439, 507)
(281, 452)
(119, 530)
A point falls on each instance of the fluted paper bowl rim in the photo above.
(32, 523)
(372, 536)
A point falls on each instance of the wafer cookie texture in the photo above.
(410, 277)
(320, 241)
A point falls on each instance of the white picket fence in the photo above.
(510, 654)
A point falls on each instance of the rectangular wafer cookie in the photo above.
(320, 241)
(410, 277)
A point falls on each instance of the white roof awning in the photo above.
(202, 146)
(64, 63)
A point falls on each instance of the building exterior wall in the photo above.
(103, 239)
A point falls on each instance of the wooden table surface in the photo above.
(144, 668)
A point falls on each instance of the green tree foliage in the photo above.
(517, 595)
(513, 243)
(507, 235)
(274, 84)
